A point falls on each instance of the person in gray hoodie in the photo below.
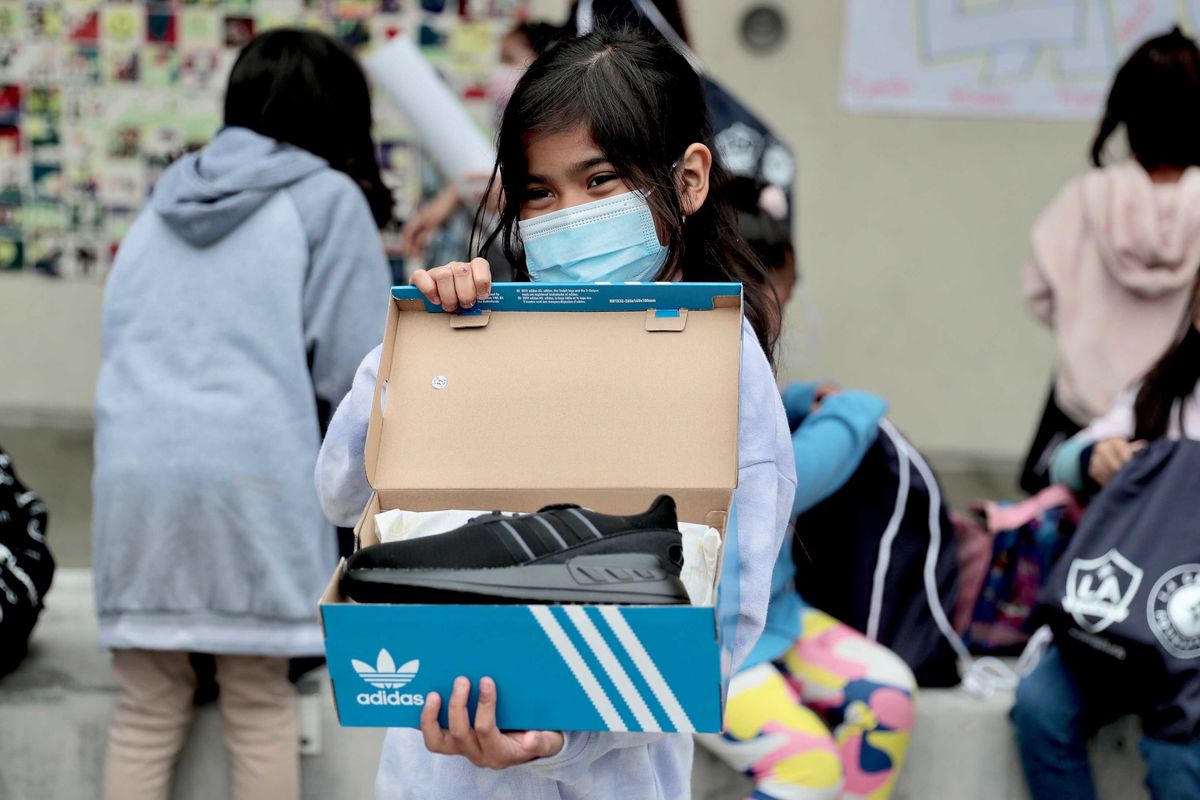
(238, 306)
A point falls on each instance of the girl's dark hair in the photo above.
(1156, 96)
(643, 105)
(305, 89)
(540, 35)
(618, 14)
(1169, 382)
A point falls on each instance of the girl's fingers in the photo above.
(426, 285)
(481, 272)
(1108, 465)
(460, 721)
(464, 284)
(542, 744)
(490, 737)
(455, 284)
(436, 740)
(444, 277)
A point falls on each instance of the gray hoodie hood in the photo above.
(205, 195)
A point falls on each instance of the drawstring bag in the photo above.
(1124, 599)
(879, 555)
(26, 566)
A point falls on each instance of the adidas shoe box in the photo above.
(604, 395)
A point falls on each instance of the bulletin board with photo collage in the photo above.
(97, 97)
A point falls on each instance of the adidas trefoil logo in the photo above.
(385, 675)
(387, 679)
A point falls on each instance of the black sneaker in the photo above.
(561, 554)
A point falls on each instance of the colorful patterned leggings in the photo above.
(830, 720)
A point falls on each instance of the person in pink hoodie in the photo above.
(1116, 252)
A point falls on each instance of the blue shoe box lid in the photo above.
(539, 403)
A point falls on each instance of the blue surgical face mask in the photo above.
(613, 239)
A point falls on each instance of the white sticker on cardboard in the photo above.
(439, 382)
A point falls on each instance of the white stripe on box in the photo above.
(612, 666)
(579, 668)
(645, 664)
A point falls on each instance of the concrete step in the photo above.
(54, 715)
(963, 749)
(55, 710)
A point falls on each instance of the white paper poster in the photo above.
(995, 58)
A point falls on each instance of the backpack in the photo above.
(1025, 541)
(26, 566)
(879, 555)
(1124, 599)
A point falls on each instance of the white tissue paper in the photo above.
(701, 544)
(701, 548)
(397, 524)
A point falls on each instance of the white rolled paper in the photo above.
(447, 132)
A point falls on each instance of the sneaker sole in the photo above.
(618, 579)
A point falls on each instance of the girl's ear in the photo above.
(694, 169)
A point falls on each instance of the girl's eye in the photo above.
(533, 195)
(600, 180)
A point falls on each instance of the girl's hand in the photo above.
(457, 284)
(485, 745)
(1109, 456)
(421, 228)
(823, 392)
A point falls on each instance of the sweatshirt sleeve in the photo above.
(346, 290)
(1056, 240)
(831, 442)
(1068, 465)
(798, 398)
(581, 749)
(1036, 291)
(1119, 422)
(762, 502)
(341, 475)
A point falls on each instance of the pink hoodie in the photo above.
(1114, 260)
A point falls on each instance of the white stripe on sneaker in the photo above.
(557, 536)
(595, 531)
(591, 687)
(520, 541)
(612, 666)
(645, 664)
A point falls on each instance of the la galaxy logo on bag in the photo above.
(1100, 590)
(384, 675)
(1173, 611)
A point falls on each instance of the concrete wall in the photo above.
(49, 347)
(911, 234)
